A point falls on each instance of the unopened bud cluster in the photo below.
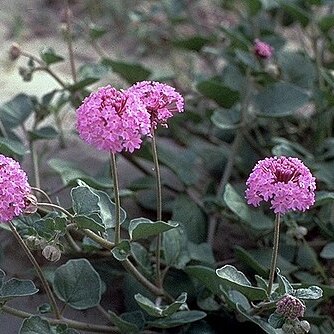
(290, 307)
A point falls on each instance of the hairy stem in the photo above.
(159, 208)
(38, 269)
(273, 262)
(117, 198)
(68, 14)
(157, 291)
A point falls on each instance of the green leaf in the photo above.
(92, 222)
(194, 43)
(253, 217)
(312, 292)
(201, 252)
(226, 119)
(175, 250)
(191, 216)
(297, 68)
(14, 112)
(140, 228)
(123, 325)
(70, 173)
(259, 260)
(284, 286)
(254, 6)
(328, 251)
(122, 250)
(96, 32)
(11, 147)
(14, 288)
(280, 100)
(131, 72)
(35, 325)
(276, 320)
(160, 311)
(107, 208)
(323, 197)
(181, 162)
(326, 22)
(235, 279)
(82, 84)
(84, 201)
(178, 319)
(77, 284)
(296, 12)
(257, 320)
(47, 132)
(49, 56)
(142, 257)
(207, 276)
(219, 92)
(92, 71)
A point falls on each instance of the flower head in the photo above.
(262, 49)
(112, 120)
(14, 189)
(161, 101)
(290, 307)
(284, 181)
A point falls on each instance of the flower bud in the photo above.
(14, 51)
(31, 204)
(51, 253)
(290, 307)
(263, 50)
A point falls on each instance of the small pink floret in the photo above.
(284, 181)
(262, 49)
(14, 189)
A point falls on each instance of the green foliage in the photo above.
(78, 284)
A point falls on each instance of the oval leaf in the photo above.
(236, 280)
(280, 99)
(78, 284)
(143, 228)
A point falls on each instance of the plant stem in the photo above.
(274, 254)
(101, 241)
(117, 199)
(159, 208)
(55, 206)
(87, 327)
(38, 270)
(42, 192)
(68, 14)
(35, 164)
(157, 291)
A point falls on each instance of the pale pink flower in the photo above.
(162, 101)
(113, 120)
(290, 307)
(14, 189)
(262, 49)
(284, 181)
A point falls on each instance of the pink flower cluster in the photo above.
(284, 181)
(290, 307)
(161, 101)
(14, 189)
(114, 120)
(262, 49)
